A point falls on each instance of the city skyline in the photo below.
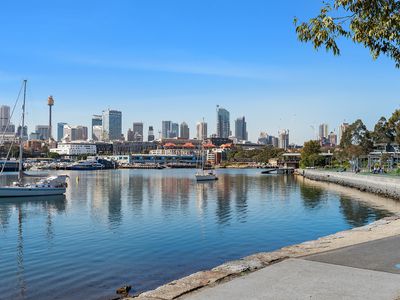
(161, 73)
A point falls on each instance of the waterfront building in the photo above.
(241, 129)
(75, 133)
(223, 123)
(97, 120)
(201, 129)
(133, 147)
(75, 149)
(284, 139)
(43, 131)
(166, 127)
(150, 135)
(60, 130)
(184, 131)
(137, 129)
(112, 125)
(323, 131)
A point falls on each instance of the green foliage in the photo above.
(373, 23)
(310, 155)
(356, 140)
(256, 155)
(53, 155)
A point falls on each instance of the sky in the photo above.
(176, 60)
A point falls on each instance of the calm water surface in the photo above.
(145, 228)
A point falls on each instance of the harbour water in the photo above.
(148, 227)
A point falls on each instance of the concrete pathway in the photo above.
(365, 271)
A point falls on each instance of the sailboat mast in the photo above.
(21, 136)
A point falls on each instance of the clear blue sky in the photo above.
(175, 60)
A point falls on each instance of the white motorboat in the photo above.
(53, 185)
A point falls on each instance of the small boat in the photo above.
(206, 176)
(202, 174)
(86, 165)
(53, 185)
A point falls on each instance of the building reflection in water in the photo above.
(24, 208)
(241, 188)
(223, 210)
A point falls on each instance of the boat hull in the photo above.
(30, 192)
(206, 177)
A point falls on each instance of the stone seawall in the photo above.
(377, 184)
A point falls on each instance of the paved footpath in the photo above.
(365, 271)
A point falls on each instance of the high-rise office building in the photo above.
(97, 120)
(75, 133)
(184, 131)
(97, 133)
(24, 132)
(174, 130)
(150, 134)
(241, 129)
(332, 138)
(223, 123)
(201, 129)
(166, 127)
(43, 131)
(323, 131)
(284, 139)
(342, 129)
(60, 130)
(4, 115)
(137, 129)
(112, 125)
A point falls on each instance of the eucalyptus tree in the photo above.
(375, 24)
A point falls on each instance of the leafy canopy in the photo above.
(372, 23)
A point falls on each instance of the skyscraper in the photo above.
(166, 129)
(201, 130)
(174, 130)
(241, 129)
(43, 131)
(4, 116)
(137, 129)
(333, 139)
(342, 129)
(323, 131)
(284, 139)
(150, 135)
(76, 133)
(97, 120)
(223, 123)
(60, 130)
(184, 131)
(112, 125)
(24, 132)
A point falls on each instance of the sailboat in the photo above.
(53, 185)
(202, 174)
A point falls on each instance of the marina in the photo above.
(146, 228)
